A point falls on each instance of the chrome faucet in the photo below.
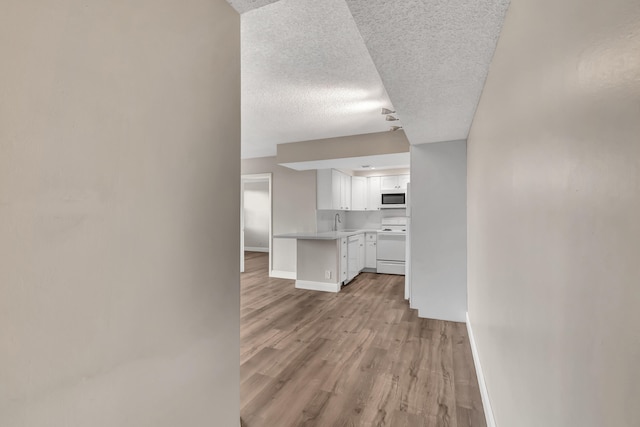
(336, 220)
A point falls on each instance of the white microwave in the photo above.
(393, 200)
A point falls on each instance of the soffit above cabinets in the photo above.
(373, 163)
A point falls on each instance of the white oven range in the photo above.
(391, 252)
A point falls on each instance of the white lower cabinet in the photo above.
(371, 250)
(352, 258)
(355, 255)
(361, 253)
(343, 259)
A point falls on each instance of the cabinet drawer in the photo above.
(371, 237)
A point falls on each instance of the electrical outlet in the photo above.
(327, 274)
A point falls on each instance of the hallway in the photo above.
(359, 357)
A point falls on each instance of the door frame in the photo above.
(256, 177)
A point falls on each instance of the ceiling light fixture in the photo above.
(387, 111)
(395, 128)
(390, 118)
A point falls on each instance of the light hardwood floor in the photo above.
(357, 358)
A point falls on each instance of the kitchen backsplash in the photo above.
(366, 219)
(354, 219)
(325, 220)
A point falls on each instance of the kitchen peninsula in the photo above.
(327, 260)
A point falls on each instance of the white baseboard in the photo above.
(484, 393)
(447, 317)
(255, 249)
(317, 286)
(279, 274)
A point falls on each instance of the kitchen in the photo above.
(361, 227)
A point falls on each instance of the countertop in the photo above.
(325, 235)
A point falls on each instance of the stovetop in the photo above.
(396, 224)
(393, 230)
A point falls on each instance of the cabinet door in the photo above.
(388, 183)
(352, 258)
(346, 191)
(361, 253)
(402, 181)
(344, 253)
(373, 193)
(358, 193)
(336, 189)
(371, 254)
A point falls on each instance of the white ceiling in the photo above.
(315, 69)
(306, 74)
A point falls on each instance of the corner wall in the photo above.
(119, 290)
(294, 208)
(554, 203)
(438, 198)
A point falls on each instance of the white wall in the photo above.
(554, 203)
(119, 302)
(257, 215)
(294, 207)
(439, 230)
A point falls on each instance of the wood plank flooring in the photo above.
(357, 358)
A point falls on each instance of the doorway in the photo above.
(255, 215)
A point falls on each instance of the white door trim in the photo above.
(261, 177)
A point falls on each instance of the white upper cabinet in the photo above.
(336, 190)
(365, 193)
(394, 183)
(345, 195)
(403, 180)
(389, 183)
(373, 193)
(333, 190)
(359, 193)
(341, 192)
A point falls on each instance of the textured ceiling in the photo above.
(433, 57)
(322, 69)
(243, 6)
(306, 74)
